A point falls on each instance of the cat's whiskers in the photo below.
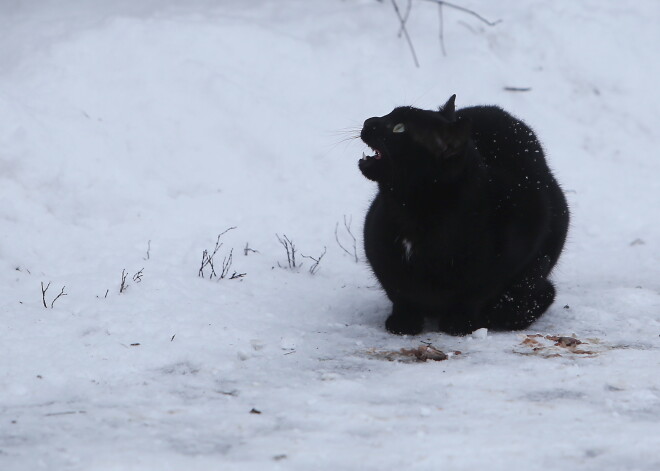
(344, 141)
(352, 131)
(349, 138)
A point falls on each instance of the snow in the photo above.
(480, 334)
(133, 133)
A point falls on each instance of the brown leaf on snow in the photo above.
(564, 341)
(529, 341)
(539, 346)
(425, 352)
(577, 351)
(422, 353)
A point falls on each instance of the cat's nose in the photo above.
(371, 124)
(370, 128)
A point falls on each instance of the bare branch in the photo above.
(466, 10)
(403, 20)
(207, 261)
(225, 231)
(207, 258)
(44, 290)
(314, 268)
(138, 276)
(406, 15)
(62, 293)
(517, 89)
(290, 251)
(123, 286)
(347, 226)
(226, 264)
(404, 30)
(247, 249)
(442, 29)
(43, 293)
(148, 250)
(203, 264)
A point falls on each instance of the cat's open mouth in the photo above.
(376, 156)
(370, 165)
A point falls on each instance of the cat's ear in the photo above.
(448, 110)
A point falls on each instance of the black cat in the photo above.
(468, 221)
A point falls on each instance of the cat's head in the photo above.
(412, 143)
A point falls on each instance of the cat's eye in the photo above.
(399, 128)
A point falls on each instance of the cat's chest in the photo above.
(411, 250)
(407, 248)
(435, 244)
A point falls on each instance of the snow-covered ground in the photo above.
(133, 133)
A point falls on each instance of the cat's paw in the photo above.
(404, 325)
(457, 330)
(457, 327)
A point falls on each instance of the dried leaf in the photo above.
(425, 352)
(564, 341)
(531, 342)
(420, 354)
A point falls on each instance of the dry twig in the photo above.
(406, 15)
(44, 290)
(403, 19)
(404, 31)
(347, 226)
(123, 286)
(207, 258)
(138, 276)
(517, 89)
(62, 293)
(247, 249)
(226, 264)
(290, 252)
(465, 10)
(43, 293)
(314, 268)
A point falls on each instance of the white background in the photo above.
(134, 127)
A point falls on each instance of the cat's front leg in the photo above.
(460, 319)
(406, 319)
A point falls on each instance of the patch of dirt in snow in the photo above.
(419, 354)
(552, 346)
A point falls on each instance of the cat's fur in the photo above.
(468, 221)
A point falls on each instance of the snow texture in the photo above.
(133, 133)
